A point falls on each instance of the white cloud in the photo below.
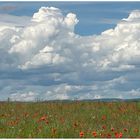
(30, 96)
(135, 93)
(46, 49)
(134, 16)
(45, 13)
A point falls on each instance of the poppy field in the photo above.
(75, 119)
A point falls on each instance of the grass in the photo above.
(70, 120)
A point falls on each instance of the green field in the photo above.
(70, 120)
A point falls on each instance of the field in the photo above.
(70, 120)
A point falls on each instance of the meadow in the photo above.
(70, 119)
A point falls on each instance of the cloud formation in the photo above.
(45, 59)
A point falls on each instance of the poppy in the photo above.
(103, 127)
(62, 120)
(136, 130)
(125, 129)
(47, 122)
(120, 135)
(81, 134)
(43, 118)
(112, 129)
(75, 124)
(94, 133)
(117, 135)
(108, 135)
(104, 117)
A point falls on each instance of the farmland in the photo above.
(70, 119)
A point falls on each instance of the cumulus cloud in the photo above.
(30, 96)
(46, 56)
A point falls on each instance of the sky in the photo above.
(69, 50)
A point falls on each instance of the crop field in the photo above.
(70, 120)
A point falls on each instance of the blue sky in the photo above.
(94, 17)
(69, 50)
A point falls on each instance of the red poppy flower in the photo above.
(125, 129)
(43, 118)
(75, 124)
(94, 133)
(81, 134)
(47, 122)
(108, 135)
(103, 127)
(120, 135)
(136, 130)
(62, 120)
(104, 117)
(117, 135)
(112, 129)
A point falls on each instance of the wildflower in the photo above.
(94, 133)
(62, 120)
(81, 134)
(117, 135)
(104, 117)
(102, 135)
(112, 129)
(43, 118)
(120, 135)
(108, 135)
(75, 124)
(103, 127)
(125, 129)
(12, 123)
(47, 122)
(35, 115)
(136, 130)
